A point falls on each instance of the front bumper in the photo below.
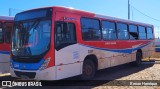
(46, 74)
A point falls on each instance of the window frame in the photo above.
(139, 32)
(147, 33)
(67, 29)
(100, 29)
(115, 30)
(118, 31)
(129, 31)
(74, 29)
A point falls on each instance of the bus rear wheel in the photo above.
(89, 70)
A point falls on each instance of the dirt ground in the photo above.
(156, 55)
(151, 73)
(117, 78)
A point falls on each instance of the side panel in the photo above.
(4, 61)
(68, 70)
(5, 50)
(67, 62)
(4, 58)
(125, 51)
(151, 49)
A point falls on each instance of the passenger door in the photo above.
(66, 47)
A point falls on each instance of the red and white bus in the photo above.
(56, 42)
(6, 26)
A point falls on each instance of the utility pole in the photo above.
(9, 11)
(128, 10)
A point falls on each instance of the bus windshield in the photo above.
(31, 38)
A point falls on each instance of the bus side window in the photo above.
(149, 33)
(142, 32)
(108, 30)
(133, 32)
(90, 28)
(1, 34)
(122, 31)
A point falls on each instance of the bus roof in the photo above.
(6, 18)
(123, 20)
(96, 15)
(107, 17)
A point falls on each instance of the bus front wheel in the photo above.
(89, 70)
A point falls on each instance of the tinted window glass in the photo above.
(72, 32)
(65, 33)
(149, 30)
(1, 33)
(133, 33)
(90, 29)
(149, 33)
(7, 29)
(33, 14)
(122, 31)
(108, 30)
(142, 32)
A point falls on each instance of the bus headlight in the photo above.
(45, 64)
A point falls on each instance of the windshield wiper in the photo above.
(35, 24)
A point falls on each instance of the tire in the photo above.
(138, 61)
(89, 70)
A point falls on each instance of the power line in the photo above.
(145, 14)
(132, 12)
(158, 27)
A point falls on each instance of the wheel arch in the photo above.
(139, 50)
(93, 58)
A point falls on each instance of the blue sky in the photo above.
(116, 8)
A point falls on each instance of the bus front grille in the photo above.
(28, 74)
